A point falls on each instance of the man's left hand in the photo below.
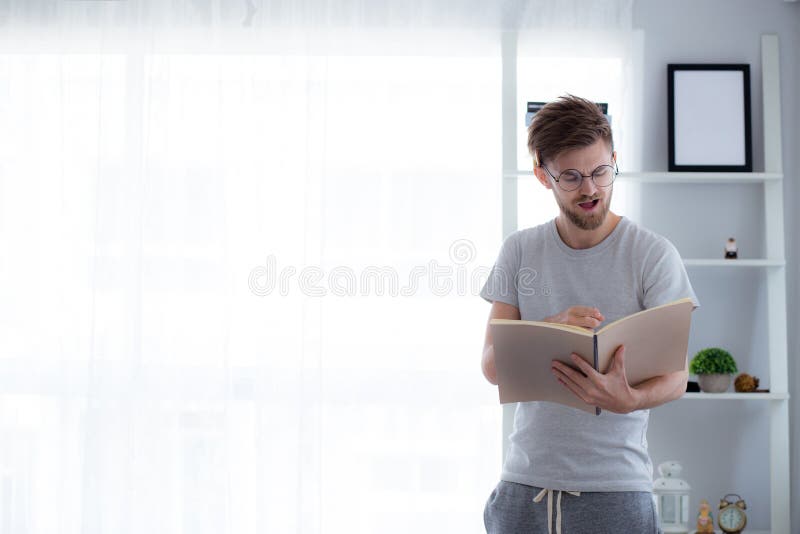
(609, 391)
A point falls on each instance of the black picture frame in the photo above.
(709, 117)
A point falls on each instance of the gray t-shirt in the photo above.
(555, 446)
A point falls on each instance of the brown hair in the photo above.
(565, 124)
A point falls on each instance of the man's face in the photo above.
(587, 206)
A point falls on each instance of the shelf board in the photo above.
(701, 177)
(699, 262)
(680, 177)
(735, 396)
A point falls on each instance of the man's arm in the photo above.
(612, 392)
(500, 310)
(661, 390)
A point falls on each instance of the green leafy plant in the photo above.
(712, 361)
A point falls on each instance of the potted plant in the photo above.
(713, 367)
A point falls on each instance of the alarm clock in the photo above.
(731, 517)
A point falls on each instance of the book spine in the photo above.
(596, 364)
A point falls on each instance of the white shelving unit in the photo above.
(773, 264)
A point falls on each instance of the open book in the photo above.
(656, 342)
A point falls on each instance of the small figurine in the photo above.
(705, 521)
(731, 250)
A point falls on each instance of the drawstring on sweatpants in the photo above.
(549, 494)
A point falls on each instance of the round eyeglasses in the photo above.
(571, 179)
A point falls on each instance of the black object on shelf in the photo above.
(534, 107)
(692, 387)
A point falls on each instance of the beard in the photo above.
(586, 221)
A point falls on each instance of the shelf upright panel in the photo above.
(780, 481)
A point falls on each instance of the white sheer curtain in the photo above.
(241, 248)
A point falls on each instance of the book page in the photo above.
(648, 311)
(559, 326)
(656, 341)
(523, 352)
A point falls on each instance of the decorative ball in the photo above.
(745, 383)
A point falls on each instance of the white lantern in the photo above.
(672, 499)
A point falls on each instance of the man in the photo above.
(597, 267)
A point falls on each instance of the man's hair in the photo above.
(567, 123)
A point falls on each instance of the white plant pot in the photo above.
(714, 383)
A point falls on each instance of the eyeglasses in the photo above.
(571, 179)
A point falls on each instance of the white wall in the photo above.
(725, 31)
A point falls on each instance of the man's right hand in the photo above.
(583, 316)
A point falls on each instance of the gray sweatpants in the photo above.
(510, 510)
